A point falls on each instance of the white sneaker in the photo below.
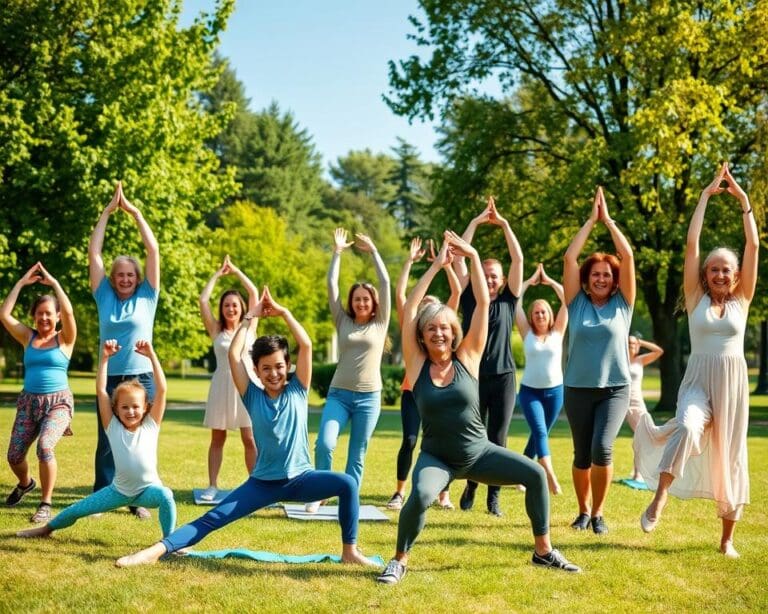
(209, 494)
(312, 507)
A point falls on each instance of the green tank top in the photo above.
(450, 417)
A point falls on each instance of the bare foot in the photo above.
(554, 485)
(728, 550)
(43, 531)
(148, 556)
(353, 556)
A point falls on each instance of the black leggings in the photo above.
(409, 416)
(595, 416)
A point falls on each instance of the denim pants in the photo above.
(361, 410)
(541, 408)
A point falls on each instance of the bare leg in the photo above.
(400, 488)
(249, 445)
(48, 471)
(444, 499)
(542, 544)
(601, 481)
(142, 557)
(554, 485)
(21, 471)
(660, 498)
(726, 540)
(216, 455)
(43, 531)
(583, 487)
(350, 555)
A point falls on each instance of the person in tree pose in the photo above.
(702, 451)
(355, 392)
(283, 470)
(541, 389)
(409, 415)
(224, 410)
(132, 424)
(600, 295)
(45, 405)
(497, 368)
(444, 366)
(126, 305)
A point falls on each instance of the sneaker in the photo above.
(581, 523)
(209, 494)
(555, 560)
(17, 494)
(493, 507)
(142, 513)
(42, 515)
(646, 523)
(396, 502)
(467, 499)
(393, 573)
(598, 525)
(444, 505)
(312, 507)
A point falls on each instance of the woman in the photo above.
(444, 365)
(355, 392)
(126, 305)
(224, 408)
(45, 405)
(541, 389)
(637, 363)
(702, 451)
(409, 415)
(600, 295)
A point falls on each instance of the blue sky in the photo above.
(326, 62)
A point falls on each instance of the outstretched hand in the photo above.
(416, 252)
(269, 306)
(494, 217)
(364, 243)
(126, 205)
(114, 204)
(732, 187)
(715, 186)
(144, 348)
(543, 277)
(456, 245)
(32, 276)
(45, 277)
(340, 242)
(534, 279)
(225, 268)
(110, 348)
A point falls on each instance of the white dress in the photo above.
(636, 402)
(705, 445)
(224, 409)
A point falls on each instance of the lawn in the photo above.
(463, 561)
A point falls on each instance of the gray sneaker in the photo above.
(555, 560)
(393, 573)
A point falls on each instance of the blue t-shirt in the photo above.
(128, 321)
(280, 431)
(598, 354)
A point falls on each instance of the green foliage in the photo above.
(322, 374)
(391, 377)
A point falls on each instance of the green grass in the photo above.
(462, 561)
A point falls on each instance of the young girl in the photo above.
(132, 425)
(224, 409)
(283, 470)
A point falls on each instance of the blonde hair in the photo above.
(131, 384)
(427, 313)
(726, 254)
(547, 308)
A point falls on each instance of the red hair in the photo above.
(586, 267)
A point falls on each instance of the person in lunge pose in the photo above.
(45, 405)
(224, 409)
(497, 367)
(409, 415)
(132, 424)
(444, 365)
(600, 295)
(541, 390)
(702, 451)
(126, 305)
(283, 470)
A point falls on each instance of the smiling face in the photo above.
(125, 278)
(130, 406)
(362, 304)
(231, 310)
(494, 277)
(540, 317)
(600, 282)
(272, 370)
(46, 317)
(634, 347)
(721, 273)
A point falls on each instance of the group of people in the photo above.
(459, 388)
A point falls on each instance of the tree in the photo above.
(411, 180)
(366, 174)
(642, 98)
(90, 96)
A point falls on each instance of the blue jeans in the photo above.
(362, 409)
(104, 464)
(255, 494)
(109, 498)
(541, 408)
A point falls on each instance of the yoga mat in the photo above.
(331, 512)
(636, 484)
(220, 496)
(271, 557)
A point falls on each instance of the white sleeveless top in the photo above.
(713, 335)
(543, 360)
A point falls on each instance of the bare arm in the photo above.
(236, 363)
(152, 264)
(571, 279)
(454, 284)
(521, 320)
(304, 343)
(515, 275)
(748, 272)
(212, 326)
(365, 244)
(459, 264)
(250, 287)
(109, 349)
(561, 318)
(415, 253)
(66, 312)
(340, 243)
(19, 331)
(96, 270)
(627, 285)
(157, 410)
(654, 352)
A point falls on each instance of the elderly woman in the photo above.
(126, 305)
(45, 405)
(702, 451)
(600, 295)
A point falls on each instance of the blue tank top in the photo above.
(45, 369)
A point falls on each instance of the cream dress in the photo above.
(224, 409)
(705, 445)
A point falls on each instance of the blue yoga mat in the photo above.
(636, 484)
(271, 557)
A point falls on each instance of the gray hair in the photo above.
(427, 313)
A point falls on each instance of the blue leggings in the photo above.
(541, 408)
(109, 498)
(255, 494)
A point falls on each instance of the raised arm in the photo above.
(211, 323)
(692, 288)
(66, 312)
(561, 318)
(627, 285)
(250, 287)
(654, 352)
(515, 275)
(157, 409)
(748, 271)
(95, 260)
(109, 349)
(152, 264)
(571, 279)
(236, 363)
(340, 243)
(453, 283)
(19, 331)
(459, 264)
(365, 244)
(521, 320)
(270, 307)
(415, 253)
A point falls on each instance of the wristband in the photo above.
(747, 212)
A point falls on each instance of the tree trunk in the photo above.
(762, 377)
